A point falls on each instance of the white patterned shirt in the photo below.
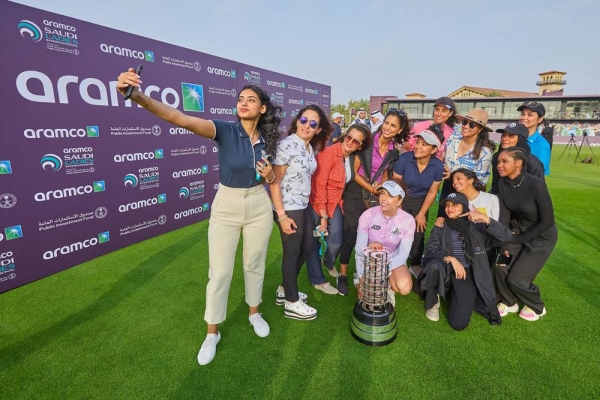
(482, 166)
(301, 165)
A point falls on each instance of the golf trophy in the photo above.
(373, 318)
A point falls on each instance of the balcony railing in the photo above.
(551, 81)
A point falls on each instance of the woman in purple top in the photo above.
(370, 167)
(387, 226)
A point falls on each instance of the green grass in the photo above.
(129, 325)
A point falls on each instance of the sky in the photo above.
(374, 47)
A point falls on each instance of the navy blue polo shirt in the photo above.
(418, 182)
(237, 156)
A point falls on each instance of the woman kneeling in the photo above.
(456, 261)
(387, 226)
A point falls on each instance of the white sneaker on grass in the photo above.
(261, 328)
(504, 310)
(433, 314)
(529, 315)
(209, 348)
(300, 311)
(280, 296)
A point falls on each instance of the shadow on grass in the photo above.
(577, 232)
(571, 179)
(130, 283)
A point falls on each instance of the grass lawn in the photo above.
(129, 325)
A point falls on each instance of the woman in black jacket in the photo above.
(456, 261)
(382, 154)
(515, 135)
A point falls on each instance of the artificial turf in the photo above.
(129, 325)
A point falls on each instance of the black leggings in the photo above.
(353, 208)
(412, 205)
(463, 294)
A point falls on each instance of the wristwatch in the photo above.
(326, 217)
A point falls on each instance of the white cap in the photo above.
(336, 115)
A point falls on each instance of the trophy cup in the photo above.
(373, 318)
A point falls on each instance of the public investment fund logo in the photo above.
(28, 29)
(193, 97)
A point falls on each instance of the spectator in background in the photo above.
(376, 120)
(444, 114)
(336, 120)
(362, 118)
(532, 116)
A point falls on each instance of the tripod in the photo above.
(569, 145)
(585, 139)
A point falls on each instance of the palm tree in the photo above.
(493, 93)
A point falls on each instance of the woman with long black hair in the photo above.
(294, 166)
(370, 167)
(526, 208)
(241, 205)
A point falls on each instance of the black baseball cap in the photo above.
(447, 102)
(456, 198)
(533, 106)
(514, 128)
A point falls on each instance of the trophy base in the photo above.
(373, 329)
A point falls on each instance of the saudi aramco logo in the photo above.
(193, 97)
(51, 162)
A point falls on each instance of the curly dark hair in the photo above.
(268, 123)
(319, 141)
(477, 184)
(404, 121)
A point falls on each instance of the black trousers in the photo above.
(412, 205)
(353, 208)
(463, 294)
(296, 249)
(514, 283)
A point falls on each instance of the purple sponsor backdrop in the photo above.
(84, 173)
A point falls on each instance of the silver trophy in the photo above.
(374, 318)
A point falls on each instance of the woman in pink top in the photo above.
(444, 114)
(388, 226)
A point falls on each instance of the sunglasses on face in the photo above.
(312, 123)
(471, 123)
(352, 141)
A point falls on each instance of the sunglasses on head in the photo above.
(312, 123)
(398, 112)
(530, 104)
(348, 138)
(471, 123)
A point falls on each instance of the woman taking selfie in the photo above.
(241, 205)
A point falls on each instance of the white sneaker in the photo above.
(333, 272)
(280, 296)
(209, 348)
(504, 310)
(433, 314)
(327, 288)
(300, 311)
(261, 328)
(529, 315)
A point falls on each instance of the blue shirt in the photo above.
(541, 149)
(237, 155)
(418, 182)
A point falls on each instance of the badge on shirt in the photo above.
(376, 227)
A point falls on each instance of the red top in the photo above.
(329, 180)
